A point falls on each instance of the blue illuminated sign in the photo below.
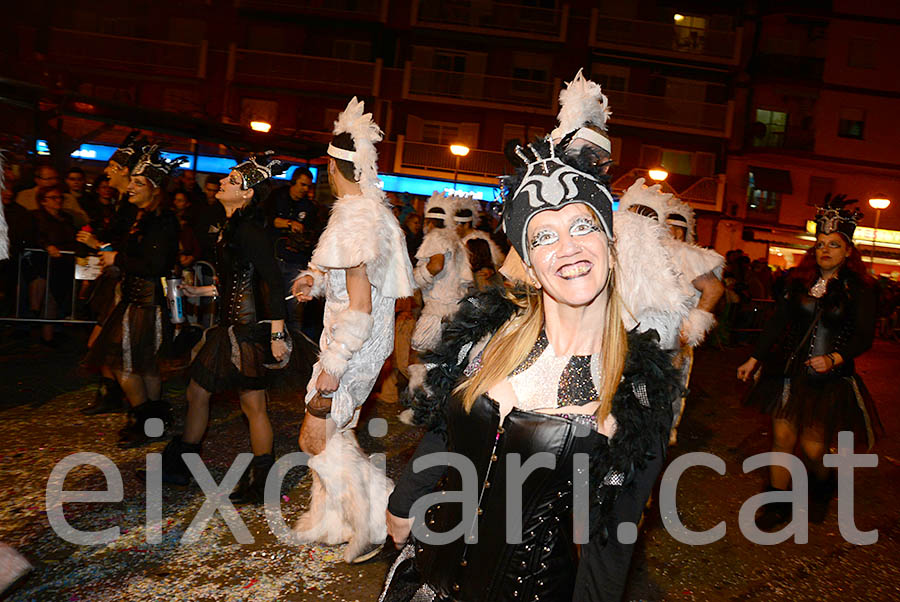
(425, 187)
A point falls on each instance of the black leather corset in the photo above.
(239, 297)
(544, 564)
(141, 291)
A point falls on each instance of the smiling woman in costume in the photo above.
(808, 383)
(548, 367)
(131, 337)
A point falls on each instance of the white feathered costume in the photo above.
(350, 491)
(441, 292)
(4, 229)
(497, 256)
(686, 260)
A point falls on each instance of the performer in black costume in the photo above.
(130, 339)
(808, 382)
(545, 368)
(236, 352)
(103, 298)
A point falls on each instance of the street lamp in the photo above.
(459, 151)
(658, 174)
(260, 126)
(877, 203)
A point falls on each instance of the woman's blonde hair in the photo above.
(511, 344)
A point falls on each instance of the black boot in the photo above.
(252, 485)
(133, 434)
(774, 515)
(821, 492)
(108, 400)
(174, 470)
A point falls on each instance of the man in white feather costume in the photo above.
(361, 267)
(700, 272)
(442, 270)
(468, 212)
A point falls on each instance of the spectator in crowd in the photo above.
(412, 228)
(759, 280)
(188, 246)
(207, 218)
(101, 207)
(484, 272)
(76, 198)
(22, 235)
(187, 183)
(43, 176)
(56, 233)
(294, 228)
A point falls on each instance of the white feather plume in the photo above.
(365, 133)
(467, 202)
(648, 196)
(4, 229)
(582, 101)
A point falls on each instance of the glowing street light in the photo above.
(678, 17)
(260, 126)
(658, 174)
(459, 151)
(877, 203)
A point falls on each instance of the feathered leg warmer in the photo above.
(349, 498)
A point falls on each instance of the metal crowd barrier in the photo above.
(47, 288)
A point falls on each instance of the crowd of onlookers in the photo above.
(46, 208)
(45, 211)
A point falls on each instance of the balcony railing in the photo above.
(368, 10)
(791, 139)
(122, 53)
(414, 157)
(277, 69)
(667, 39)
(493, 18)
(705, 193)
(665, 112)
(480, 89)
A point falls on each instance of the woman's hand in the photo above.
(189, 290)
(107, 258)
(279, 349)
(746, 369)
(88, 239)
(398, 528)
(823, 363)
(53, 252)
(302, 288)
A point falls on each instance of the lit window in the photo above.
(852, 123)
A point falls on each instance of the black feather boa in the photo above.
(642, 430)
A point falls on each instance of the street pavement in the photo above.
(42, 389)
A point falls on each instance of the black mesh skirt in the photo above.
(233, 358)
(838, 403)
(131, 339)
(103, 295)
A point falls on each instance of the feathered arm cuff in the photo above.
(695, 326)
(348, 336)
(423, 277)
(318, 277)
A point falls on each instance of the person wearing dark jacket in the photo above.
(808, 383)
(56, 233)
(544, 369)
(237, 352)
(130, 340)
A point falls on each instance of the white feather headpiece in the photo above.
(688, 221)
(472, 205)
(647, 196)
(445, 207)
(365, 133)
(581, 102)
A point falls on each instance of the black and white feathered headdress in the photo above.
(833, 216)
(550, 181)
(582, 103)
(156, 168)
(680, 209)
(131, 150)
(652, 197)
(258, 168)
(365, 133)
